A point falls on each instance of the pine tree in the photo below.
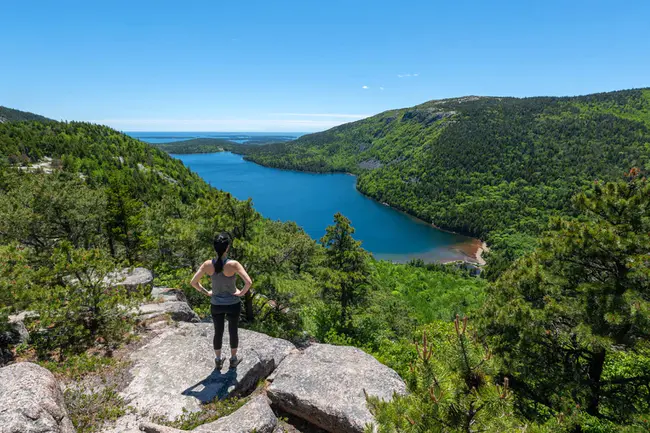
(572, 320)
(125, 225)
(348, 263)
(452, 388)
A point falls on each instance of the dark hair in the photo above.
(221, 243)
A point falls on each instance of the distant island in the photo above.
(237, 144)
(195, 145)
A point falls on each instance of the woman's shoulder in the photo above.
(233, 264)
(208, 266)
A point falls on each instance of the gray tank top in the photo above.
(223, 288)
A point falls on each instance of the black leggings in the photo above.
(219, 312)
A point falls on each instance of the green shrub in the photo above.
(77, 366)
(90, 410)
(209, 412)
(453, 388)
(77, 310)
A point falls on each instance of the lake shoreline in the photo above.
(474, 251)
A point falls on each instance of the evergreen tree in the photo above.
(41, 210)
(348, 263)
(125, 226)
(452, 388)
(572, 319)
(77, 307)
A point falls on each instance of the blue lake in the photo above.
(311, 200)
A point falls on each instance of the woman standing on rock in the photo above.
(225, 297)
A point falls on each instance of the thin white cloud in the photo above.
(365, 87)
(381, 88)
(407, 75)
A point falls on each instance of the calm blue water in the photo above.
(311, 200)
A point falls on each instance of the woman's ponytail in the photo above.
(221, 243)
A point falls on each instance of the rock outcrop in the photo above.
(167, 294)
(167, 302)
(177, 310)
(130, 278)
(31, 401)
(175, 371)
(255, 416)
(371, 164)
(18, 333)
(325, 386)
(15, 333)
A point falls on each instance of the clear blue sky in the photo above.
(305, 65)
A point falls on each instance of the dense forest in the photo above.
(496, 168)
(558, 343)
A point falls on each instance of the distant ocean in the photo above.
(238, 137)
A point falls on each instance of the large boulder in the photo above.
(175, 371)
(31, 401)
(256, 416)
(6, 355)
(168, 294)
(177, 310)
(325, 386)
(17, 331)
(131, 278)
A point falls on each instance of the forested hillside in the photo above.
(489, 167)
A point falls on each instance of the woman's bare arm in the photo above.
(196, 280)
(239, 269)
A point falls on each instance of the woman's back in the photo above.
(223, 286)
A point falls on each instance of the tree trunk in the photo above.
(595, 372)
(248, 303)
(344, 306)
(111, 243)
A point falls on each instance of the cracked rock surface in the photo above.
(176, 371)
(325, 385)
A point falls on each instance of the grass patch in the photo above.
(90, 410)
(77, 366)
(211, 412)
